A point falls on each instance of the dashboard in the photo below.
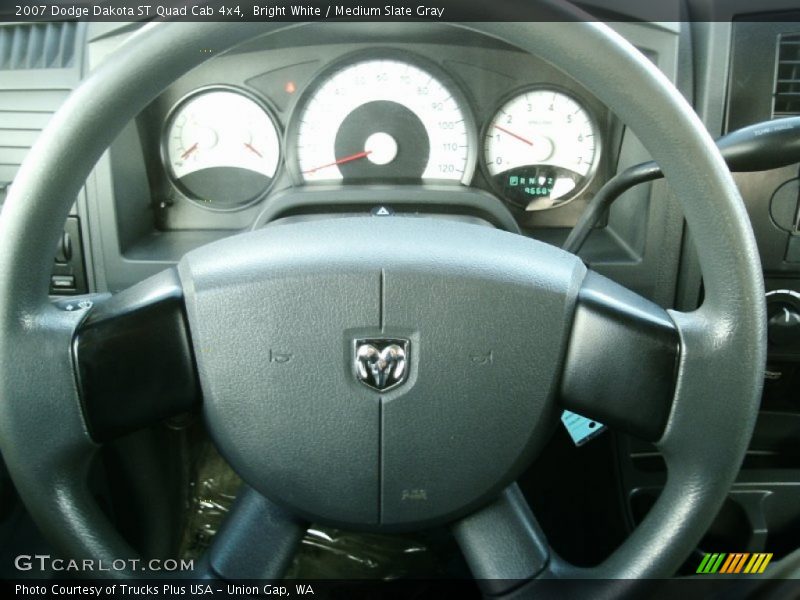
(225, 141)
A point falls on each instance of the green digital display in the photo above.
(533, 186)
(536, 184)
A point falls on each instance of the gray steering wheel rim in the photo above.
(726, 336)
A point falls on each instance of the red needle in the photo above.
(346, 159)
(253, 150)
(512, 134)
(191, 149)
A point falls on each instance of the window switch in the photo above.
(62, 283)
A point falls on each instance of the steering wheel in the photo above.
(279, 329)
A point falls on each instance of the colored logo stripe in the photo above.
(710, 563)
(734, 563)
(758, 563)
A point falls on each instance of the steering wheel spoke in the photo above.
(622, 359)
(134, 360)
(503, 544)
(257, 541)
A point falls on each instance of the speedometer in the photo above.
(384, 120)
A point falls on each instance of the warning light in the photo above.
(290, 87)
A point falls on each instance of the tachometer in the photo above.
(222, 148)
(384, 120)
(541, 149)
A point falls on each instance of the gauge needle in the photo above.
(250, 147)
(191, 149)
(512, 134)
(341, 161)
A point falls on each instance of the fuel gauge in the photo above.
(221, 148)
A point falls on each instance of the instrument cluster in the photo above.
(381, 117)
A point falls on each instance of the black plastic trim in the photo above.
(133, 359)
(407, 199)
(622, 359)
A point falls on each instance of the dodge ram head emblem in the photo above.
(381, 363)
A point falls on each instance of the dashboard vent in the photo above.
(37, 46)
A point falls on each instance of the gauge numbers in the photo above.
(541, 149)
(383, 120)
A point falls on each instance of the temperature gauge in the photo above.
(541, 149)
(221, 148)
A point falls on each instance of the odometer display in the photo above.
(383, 120)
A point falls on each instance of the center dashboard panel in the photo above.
(409, 119)
(246, 126)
